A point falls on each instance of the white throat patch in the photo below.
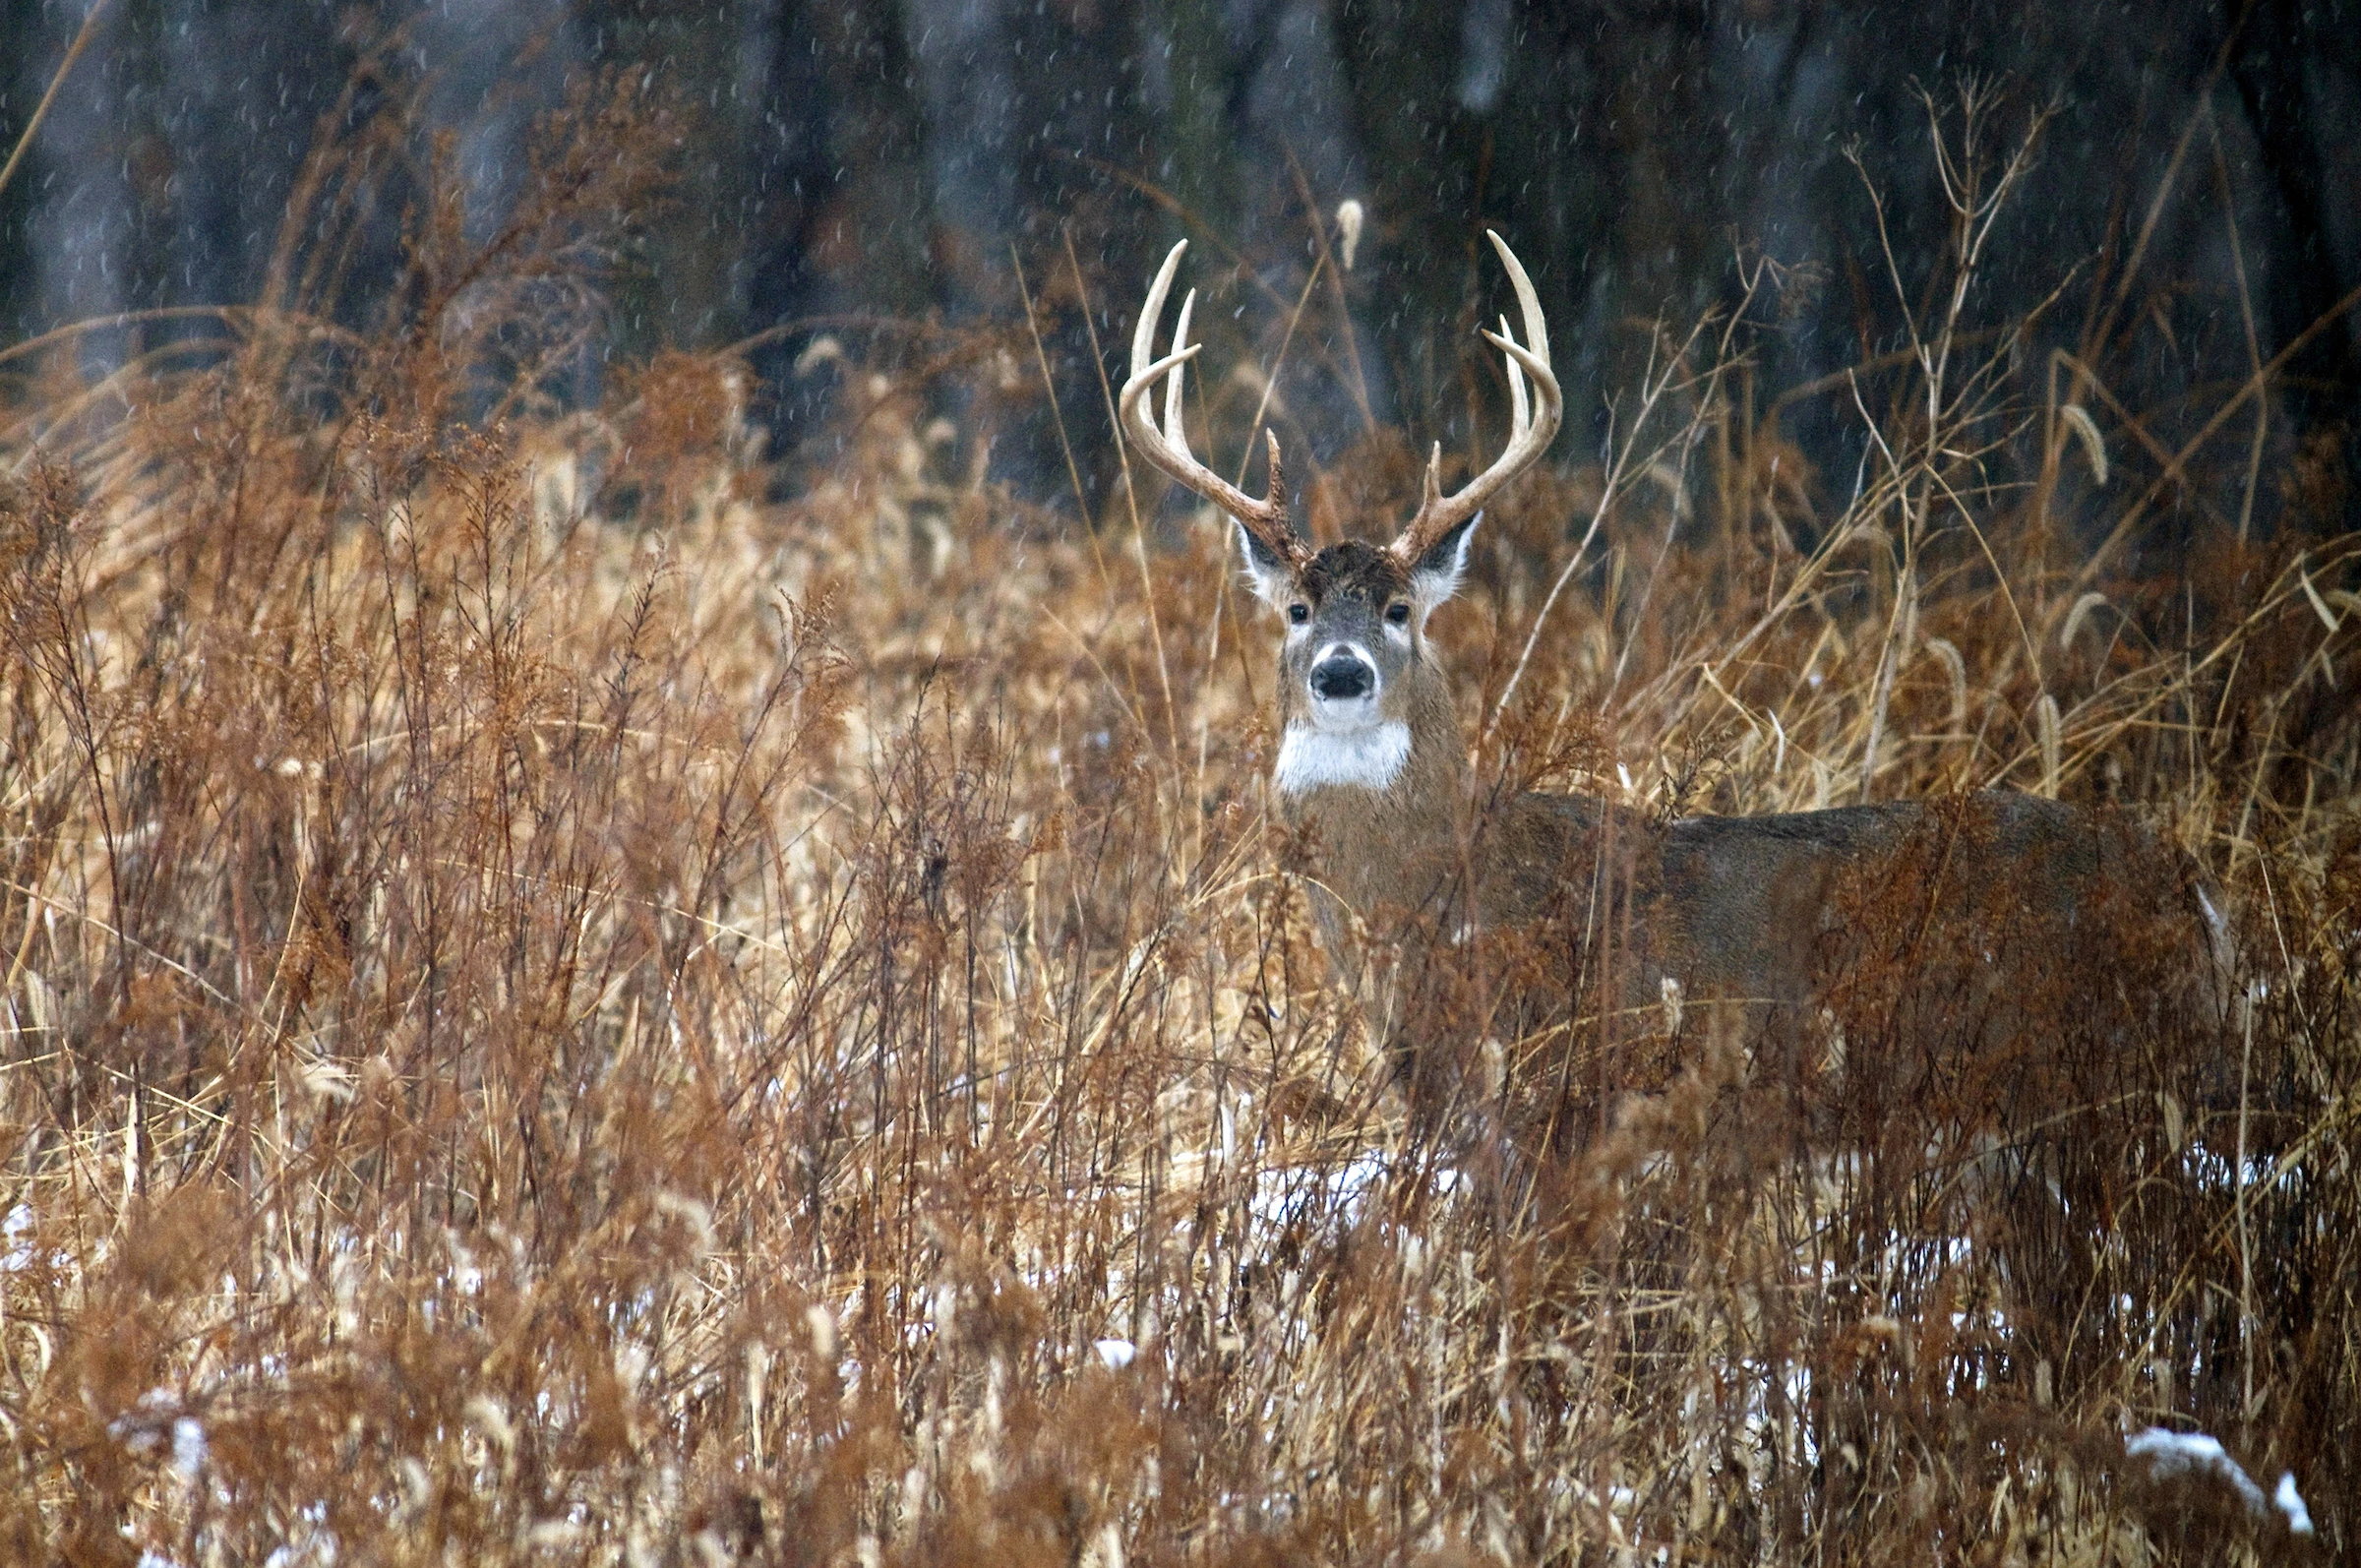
(1310, 758)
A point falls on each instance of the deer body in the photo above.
(1740, 909)
(1999, 909)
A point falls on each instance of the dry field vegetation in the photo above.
(580, 991)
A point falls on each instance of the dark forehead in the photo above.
(1355, 569)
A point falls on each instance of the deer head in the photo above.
(1360, 689)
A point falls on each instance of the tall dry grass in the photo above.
(562, 1006)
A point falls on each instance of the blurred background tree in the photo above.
(861, 168)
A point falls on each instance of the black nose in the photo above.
(1342, 676)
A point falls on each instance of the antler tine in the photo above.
(1521, 407)
(1175, 434)
(1532, 425)
(1167, 448)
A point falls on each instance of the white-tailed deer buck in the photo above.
(1978, 916)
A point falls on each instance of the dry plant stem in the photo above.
(1255, 426)
(2099, 326)
(2103, 330)
(1843, 381)
(1325, 262)
(1974, 210)
(1048, 389)
(2000, 576)
(332, 154)
(2252, 387)
(1270, 383)
(231, 314)
(2246, 319)
(2086, 379)
(1800, 591)
(1648, 584)
(2247, 1326)
(1890, 652)
(2097, 741)
(1620, 473)
(1139, 538)
(82, 40)
(1197, 226)
(1270, 379)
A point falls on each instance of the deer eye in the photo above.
(1299, 612)
(1398, 613)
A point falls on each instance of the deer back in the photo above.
(2001, 907)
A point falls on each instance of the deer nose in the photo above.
(1341, 677)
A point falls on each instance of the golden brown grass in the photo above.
(560, 1008)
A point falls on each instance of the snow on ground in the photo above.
(2169, 1453)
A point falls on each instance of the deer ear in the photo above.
(1267, 573)
(1436, 574)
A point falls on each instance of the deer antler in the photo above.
(1168, 448)
(1530, 431)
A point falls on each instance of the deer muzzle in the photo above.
(1342, 675)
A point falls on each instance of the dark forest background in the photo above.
(877, 169)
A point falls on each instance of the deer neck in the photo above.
(1385, 808)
